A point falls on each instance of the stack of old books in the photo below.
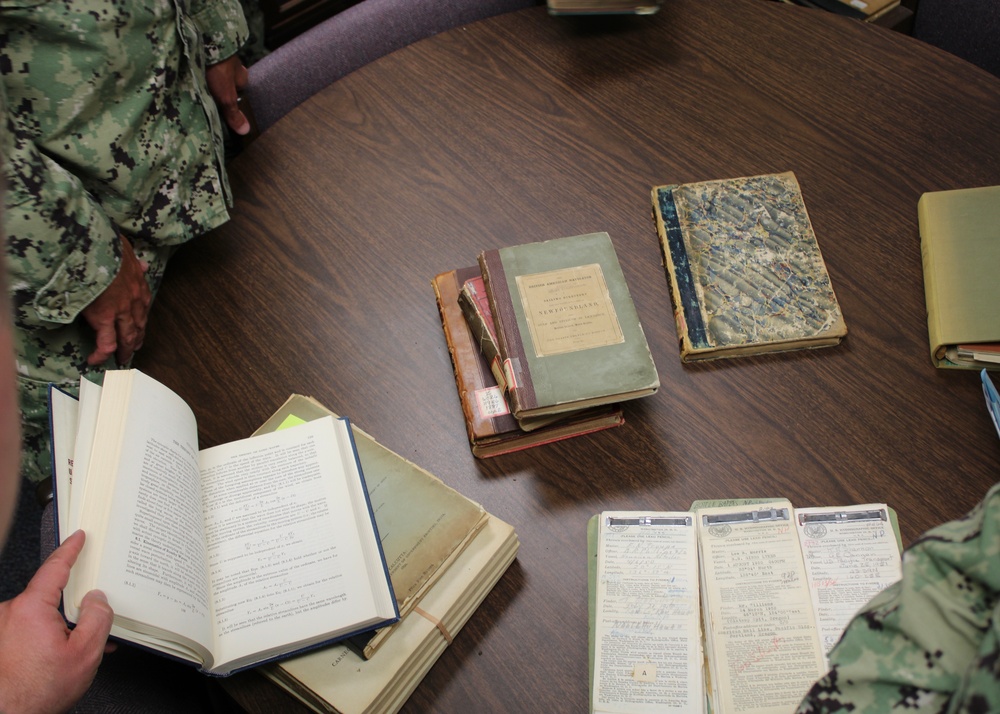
(545, 341)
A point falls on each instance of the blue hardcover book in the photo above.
(225, 557)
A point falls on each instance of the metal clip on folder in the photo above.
(878, 514)
(650, 521)
(763, 515)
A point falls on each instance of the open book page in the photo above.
(647, 637)
(424, 524)
(851, 554)
(292, 555)
(142, 512)
(764, 653)
(89, 404)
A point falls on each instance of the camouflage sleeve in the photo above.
(62, 250)
(222, 25)
(930, 642)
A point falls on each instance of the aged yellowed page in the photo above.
(424, 524)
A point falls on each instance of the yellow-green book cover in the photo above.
(960, 247)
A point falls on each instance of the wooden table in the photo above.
(526, 127)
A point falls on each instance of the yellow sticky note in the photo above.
(290, 420)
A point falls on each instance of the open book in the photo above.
(228, 557)
(728, 608)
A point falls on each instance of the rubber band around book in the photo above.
(436, 622)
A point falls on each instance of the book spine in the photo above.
(520, 389)
(444, 284)
(687, 312)
(930, 285)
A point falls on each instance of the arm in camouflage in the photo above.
(930, 642)
(222, 25)
(51, 279)
(92, 114)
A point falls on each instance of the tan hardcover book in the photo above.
(960, 246)
(338, 681)
(568, 332)
(225, 557)
(491, 427)
(424, 523)
(745, 270)
(750, 597)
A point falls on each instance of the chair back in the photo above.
(349, 40)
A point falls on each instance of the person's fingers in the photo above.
(242, 76)
(93, 623)
(237, 121)
(106, 343)
(50, 579)
(127, 338)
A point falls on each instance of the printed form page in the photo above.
(647, 639)
(851, 555)
(763, 649)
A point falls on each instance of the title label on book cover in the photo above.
(568, 310)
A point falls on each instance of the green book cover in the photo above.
(567, 328)
(960, 247)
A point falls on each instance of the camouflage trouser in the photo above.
(930, 643)
(59, 357)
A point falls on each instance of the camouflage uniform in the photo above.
(112, 130)
(929, 643)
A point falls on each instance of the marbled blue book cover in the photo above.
(745, 269)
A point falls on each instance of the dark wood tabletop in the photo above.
(526, 127)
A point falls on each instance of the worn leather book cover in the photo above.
(745, 269)
(960, 246)
(568, 331)
(491, 427)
